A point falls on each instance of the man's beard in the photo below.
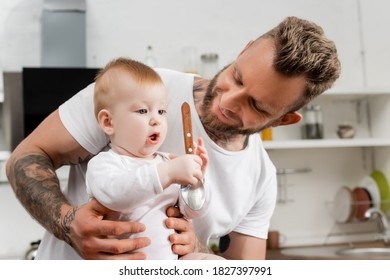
(216, 129)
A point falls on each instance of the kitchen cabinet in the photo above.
(305, 198)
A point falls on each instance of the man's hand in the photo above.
(88, 234)
(183, 242)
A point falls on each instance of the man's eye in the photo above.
(239, 82)
(259, 110)
(142, 111)
(162, 112)
(256, 107)
(237, 78)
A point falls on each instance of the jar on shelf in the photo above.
(150, 59)
(209, 65)
(313, 125)
(266, 134)
(190, 59)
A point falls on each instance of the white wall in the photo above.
(213, 26)
(125, 28)
(376, 37)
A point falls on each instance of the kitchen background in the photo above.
(311, 171)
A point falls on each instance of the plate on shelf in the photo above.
(384, 189)
(344, 207)
(373, 189)
(362, 202)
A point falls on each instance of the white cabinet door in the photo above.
(376, 39)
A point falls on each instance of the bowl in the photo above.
(346, 131)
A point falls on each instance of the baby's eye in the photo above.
(162, 112)
(142, 111)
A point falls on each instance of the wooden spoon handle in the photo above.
(187, 128)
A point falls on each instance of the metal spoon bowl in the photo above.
(193, 195)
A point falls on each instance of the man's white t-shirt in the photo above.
(242, 184)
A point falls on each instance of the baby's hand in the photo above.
(185, 169)
(202, 153)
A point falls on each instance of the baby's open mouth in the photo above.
(153, 138)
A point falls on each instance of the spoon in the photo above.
(193, 195)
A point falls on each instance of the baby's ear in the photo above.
(104, 119)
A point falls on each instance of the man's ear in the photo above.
(104, 119)
(289, 118)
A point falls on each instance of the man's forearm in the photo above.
(36, 185)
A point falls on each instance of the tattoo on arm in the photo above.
(65, 224)
(36, 185)
(79, 160)
(199, 88)
(199, 85)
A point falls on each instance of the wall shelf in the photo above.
(366, 108)
(325, 143)
(355, 92)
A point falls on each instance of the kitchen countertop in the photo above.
(325, 252)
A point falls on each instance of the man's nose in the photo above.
(232, 100)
